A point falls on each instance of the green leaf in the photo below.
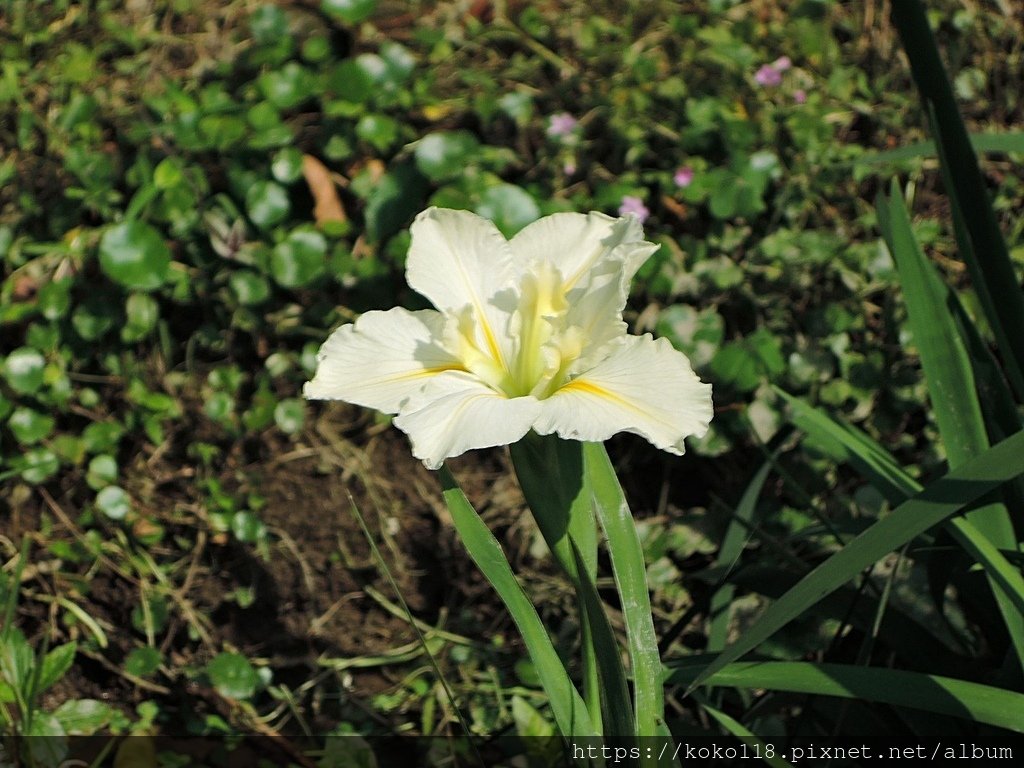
(23, 370)
(55, 299)
(29, 426)
(627, 559)
(350, 11)
(939, 501)
(931, 693)
(249, 287)
(379, 131)
(736, 536)
(141, 312)
(290, 415)
(287, 87)
(510, 207)
(232, 675)
(135, 255)
(987, 259)
(567, 705)
(56, 663)
(845, 443)
(113, 502)
(398, 195)
(287, 165)
(299, 259)
(951, 387)
(445, 155)
(143, 662)
(36, 465)
(17, 661)
(83, 717)
(267, 203)
(550, 472)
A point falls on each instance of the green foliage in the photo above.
(165, 283)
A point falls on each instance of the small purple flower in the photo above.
(782, 63)
(569, 168)
(634, 205)
(800, 96)
(768, 76)
(562, 124)
(684, 176)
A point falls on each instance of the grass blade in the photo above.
(627, 558)
(932, 693)
(881, 470)
(1011, 141)
(954, 399)
(732, 547)
(939, 501)
(738, 730)
(987, 260)
(567, 705)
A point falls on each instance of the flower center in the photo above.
(544, 344)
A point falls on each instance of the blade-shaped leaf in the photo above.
(932, 693)
(988, 260)
(566, 703)
(940, 500)
(627, 558)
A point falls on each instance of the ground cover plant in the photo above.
(194, 195)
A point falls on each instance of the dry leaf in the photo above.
(325, 194)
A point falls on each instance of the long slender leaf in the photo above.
(953, 395)
(627, 558)
(737, 729)
(932, 693)
(881, 469)
(551, 474)
(988, 260)
(1011, 141)
(567, 705)
(939, 501)
(732, 547)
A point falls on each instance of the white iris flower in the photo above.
(527, 334)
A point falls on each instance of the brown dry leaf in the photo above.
(325, 194)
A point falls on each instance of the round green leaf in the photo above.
(247, 527)
(102, 471)
(23, 370)
(287, 87)
(510, 208)
(268, 23)
(287, 165)
(299, 259)
(30, 426)
(249, 287)
(267, 203)
(232, 675)
(290, 415)
(142, 312)
(113, 502)
(135, 255)
(444, 155)
(55, 299)
(37, 465)
(143, 662)
(349, 11)
(379, 131)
